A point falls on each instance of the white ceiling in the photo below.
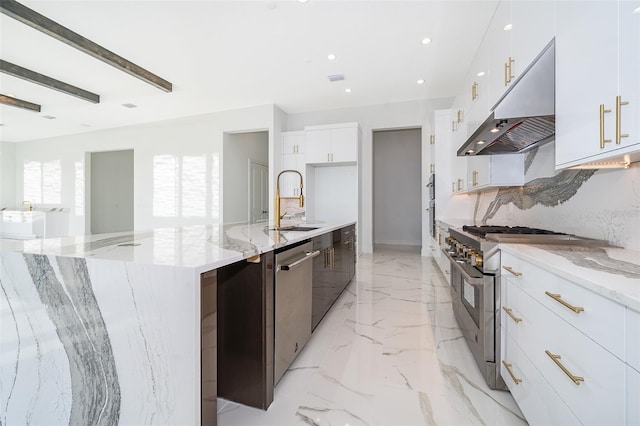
(223, 55)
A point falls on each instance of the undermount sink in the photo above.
(298, 228)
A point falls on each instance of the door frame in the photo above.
(251, 161)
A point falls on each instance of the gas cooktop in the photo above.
(519, 230)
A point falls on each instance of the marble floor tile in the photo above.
(389, 352)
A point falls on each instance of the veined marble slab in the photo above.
(90, 341)
(609, 271)
(204, 247)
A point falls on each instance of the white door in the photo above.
(258, 192)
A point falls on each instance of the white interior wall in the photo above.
(376, 117)
(185, 155)
(334, 195)
(397, 187)
(238, 149)
(8, 175)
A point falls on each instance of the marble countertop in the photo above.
(609, 271)
(452, 223)
(202, 247)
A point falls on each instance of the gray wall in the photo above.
(111, 191)
(237, 149)
(397, 188)
(8, 175)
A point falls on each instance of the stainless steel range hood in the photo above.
(524, 117)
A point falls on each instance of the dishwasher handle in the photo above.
(309, 255)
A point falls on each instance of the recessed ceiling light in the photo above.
(347, 90)
(421, 81)
(508, 27)
(302, 1)
(11, 95)
(480, 142)
(130, 105)
(480, 74)
(495, 130)
(636, 10)
(331, 56)
(49, 117)
(426, 40)
(470, 151)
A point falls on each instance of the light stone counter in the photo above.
(106, 329)
(609, 271)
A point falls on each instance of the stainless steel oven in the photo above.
(476, 300)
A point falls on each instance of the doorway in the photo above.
(397, 177)
(111, 191)
(258, 192)
(242, 155)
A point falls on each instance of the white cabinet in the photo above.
(332, 144)
(292, 158)
(533, 27)
(597, 89)
(495, 170)
(293, 142)
(572, 338)
(633, 397)
(501, 61)
(633, 346)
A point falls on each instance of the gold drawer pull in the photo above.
(555, 358)
(510, 269)
(603, 111)
(513, 376)
(513, 317)
(558, 298)
(619, 104)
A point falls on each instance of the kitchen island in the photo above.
(119, 328)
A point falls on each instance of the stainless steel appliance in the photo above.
(524, 117)
(474, 255)
(292, 304)
(432, 204)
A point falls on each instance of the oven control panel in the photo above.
(461, 252)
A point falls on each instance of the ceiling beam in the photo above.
(41, 23)
(51, 83)
(19, 103)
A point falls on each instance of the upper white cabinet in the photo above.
(532, 27)
(597, 81)
(293, 143)
(336, 143)
(498, 38)
(495, 170)
(292, 158)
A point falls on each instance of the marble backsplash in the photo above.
(602, 204)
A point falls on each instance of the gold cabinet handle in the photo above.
(619, 104)
(558, 299)
(513, 376)
(511, 76)
(459, 116)
(432, 168)
(454, 126)
(506, 74)
(510, 313)
(474, 91)
(603, 111)
(556, 358)
(474, 178)
(510, 269)
(459, 184)
(432, 139)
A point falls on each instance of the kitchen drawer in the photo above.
(633, 342)
(603, 373)
(601, 319)
(511, 318)
(537, 400)
(633, 396)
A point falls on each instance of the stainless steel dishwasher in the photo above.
(292, 304)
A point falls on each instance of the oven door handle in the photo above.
(468, 278)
